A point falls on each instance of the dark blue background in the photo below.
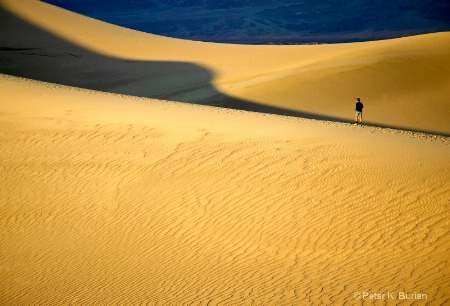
(272, 21)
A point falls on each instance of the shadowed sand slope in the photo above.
(404, 82)
(114, 200)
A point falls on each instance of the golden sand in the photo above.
(109, 199)
(403, 83)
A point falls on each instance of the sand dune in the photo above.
(404, 82)
(109, 199)
(112, 200)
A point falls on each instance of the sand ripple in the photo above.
(112, 214)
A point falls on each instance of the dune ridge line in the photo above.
(112, 192)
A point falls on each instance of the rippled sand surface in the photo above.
(110, 199)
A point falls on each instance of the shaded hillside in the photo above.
(46, 43)
(271, 21)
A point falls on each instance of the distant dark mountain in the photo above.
(271, 21)
(88, 5)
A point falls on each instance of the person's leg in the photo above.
(360, 118)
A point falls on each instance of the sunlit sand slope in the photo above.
(403, 82)
(112, 200)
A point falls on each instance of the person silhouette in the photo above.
(358, 109)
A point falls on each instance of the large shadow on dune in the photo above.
(31, 52)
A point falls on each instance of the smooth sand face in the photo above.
(108, 199)
(402, 82)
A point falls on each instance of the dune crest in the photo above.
(110, 194)
(403, 82)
